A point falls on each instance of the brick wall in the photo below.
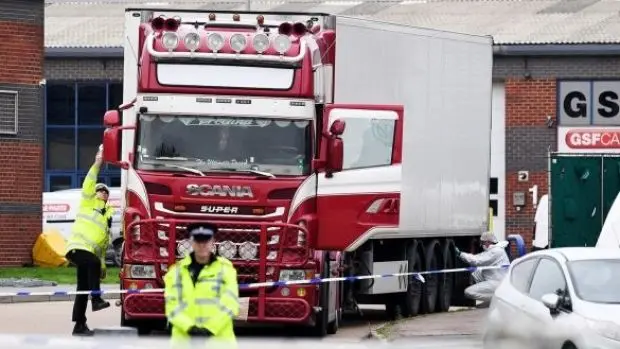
(21, 170)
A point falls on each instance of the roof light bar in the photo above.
(215, 42)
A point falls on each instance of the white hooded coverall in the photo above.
(486, 281)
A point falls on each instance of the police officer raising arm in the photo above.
(201, 291)
(88, 243)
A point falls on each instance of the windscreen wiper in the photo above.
(256, 172)
(178, 158)
(187, 169)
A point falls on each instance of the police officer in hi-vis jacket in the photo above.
(88, 243)
(201, 291)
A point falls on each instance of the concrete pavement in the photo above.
(458, 322)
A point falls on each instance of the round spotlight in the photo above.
(238, 42)
(282, 43)
(260, 43)
(215, 42)
(170, 41)
(192, 41)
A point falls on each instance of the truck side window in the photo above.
(368, 142)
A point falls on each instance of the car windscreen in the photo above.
(596, 281)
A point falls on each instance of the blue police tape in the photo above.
(418, 275)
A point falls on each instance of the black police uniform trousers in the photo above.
(88, 279)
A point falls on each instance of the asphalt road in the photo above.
(54, 318)
(51, 324)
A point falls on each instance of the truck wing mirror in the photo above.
(112, 138)
(335, 154)
(337, 127)
(112, 118)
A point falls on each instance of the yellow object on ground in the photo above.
(49, 250)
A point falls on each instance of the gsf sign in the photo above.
(589, 103)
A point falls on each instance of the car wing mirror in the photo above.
(551, 301)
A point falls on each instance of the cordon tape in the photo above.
(314, 281)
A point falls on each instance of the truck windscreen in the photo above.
(206, 143)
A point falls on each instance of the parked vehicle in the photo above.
(303, 136)
(558, 298)
(60, 208)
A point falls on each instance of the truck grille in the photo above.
(236, 243)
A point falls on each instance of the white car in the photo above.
(562, 298)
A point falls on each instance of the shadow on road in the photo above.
(368, 318)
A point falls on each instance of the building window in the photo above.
(493, 205)
(493, 185)
(74, 129)
(8, 112)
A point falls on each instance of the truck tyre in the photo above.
(461, 281)
(431, 286)
(321, 324)
(413, 296)
(332, 327)
(446, 280)
(124, 322)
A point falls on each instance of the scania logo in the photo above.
(236, 191)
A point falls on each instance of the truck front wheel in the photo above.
(413, 297)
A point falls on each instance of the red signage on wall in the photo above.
(592, 139)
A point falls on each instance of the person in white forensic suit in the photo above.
(486, 281)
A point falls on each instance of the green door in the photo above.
(576, 200)
(611, 181)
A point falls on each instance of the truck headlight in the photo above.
(295, 274)
(227, 249)
(140, 271)
(184, 247)
(248, 250)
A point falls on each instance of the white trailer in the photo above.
(444, 82)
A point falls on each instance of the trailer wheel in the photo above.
(413, 296)
(446, 280)
(431, 284)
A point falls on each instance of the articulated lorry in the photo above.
(321, 145)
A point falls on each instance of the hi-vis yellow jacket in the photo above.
(211, 303)
(91, 230)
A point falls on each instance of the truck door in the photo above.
(363, 198)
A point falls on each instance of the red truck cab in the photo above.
(224, 127)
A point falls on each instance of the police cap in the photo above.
(201, 231)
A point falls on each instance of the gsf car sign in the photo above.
(589, 139)
(589, 103)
